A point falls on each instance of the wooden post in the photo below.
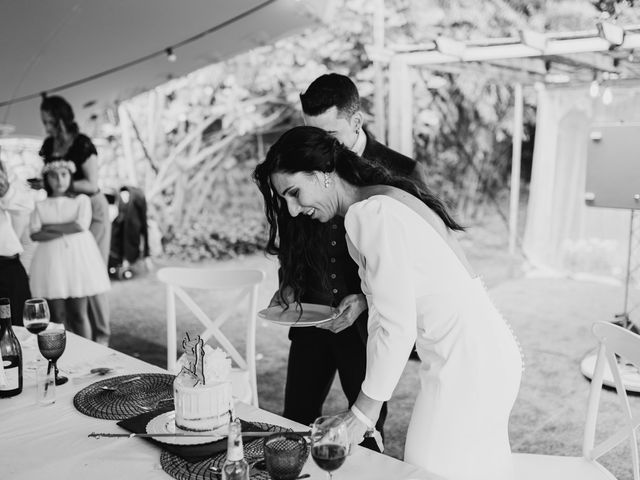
(378, 68)
(400, 136)
(514, 198)
(127, 162)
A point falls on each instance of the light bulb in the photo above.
(171, 56)
(607, 96)
(594, 89)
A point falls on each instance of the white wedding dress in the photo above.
(418, 290)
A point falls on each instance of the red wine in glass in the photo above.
(36, 327)
(35, 315)
(329, 457)
(329, 443)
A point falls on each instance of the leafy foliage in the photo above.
(463, 119)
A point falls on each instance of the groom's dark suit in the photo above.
(316, 354)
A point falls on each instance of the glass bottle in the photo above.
(235, 466)
(11, 354)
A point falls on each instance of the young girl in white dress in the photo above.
(67, 266)
(419, 288)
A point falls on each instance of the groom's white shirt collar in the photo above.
(360, 144)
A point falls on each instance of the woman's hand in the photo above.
(355, 427)
(36, 183)
(287, 294)
(349, 310)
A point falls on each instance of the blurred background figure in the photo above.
(16, 202)
(129, 233)
(64, 141)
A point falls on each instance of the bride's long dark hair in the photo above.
(300, 242)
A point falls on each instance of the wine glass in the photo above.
(35, 315)
(52, 344)
(329, 443)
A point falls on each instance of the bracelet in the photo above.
(370, 424)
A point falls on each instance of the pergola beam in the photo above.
(579, 55)
(593, 62)
(518, 49)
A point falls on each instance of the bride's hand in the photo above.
(348, 310)
(355, 427)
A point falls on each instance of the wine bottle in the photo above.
(235, 466)
(11, 354)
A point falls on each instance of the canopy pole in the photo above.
(514, 199)
(400, 118)
(378, 68)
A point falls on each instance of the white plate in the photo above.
(312, 315)
(166, 423)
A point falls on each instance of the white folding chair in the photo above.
(614, 340)
(246, 282)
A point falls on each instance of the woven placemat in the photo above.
(181, 469)
(124, 396)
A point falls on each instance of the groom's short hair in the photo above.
(331, 90)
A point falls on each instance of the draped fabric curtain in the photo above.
(564, 236)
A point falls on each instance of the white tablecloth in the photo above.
(50, 442)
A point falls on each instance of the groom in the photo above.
(332, 103)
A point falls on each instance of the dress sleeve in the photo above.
(84, 211)
(379, 242)
(83, 148)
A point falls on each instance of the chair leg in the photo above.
(251, 344)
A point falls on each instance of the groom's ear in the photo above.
(357, 121)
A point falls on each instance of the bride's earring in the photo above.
(326, 180)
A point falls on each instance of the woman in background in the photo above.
(65, 142)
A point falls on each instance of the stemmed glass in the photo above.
(35, 315)
(329, 443)
(52, 344)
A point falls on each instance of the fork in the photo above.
(157, 404)
(115, 388)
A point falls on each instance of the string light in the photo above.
(139, 60)
(171, 56)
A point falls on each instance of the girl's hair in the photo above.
(61, 111)
(57, 165)
(300, 242)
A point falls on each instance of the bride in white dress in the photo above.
(419, 288)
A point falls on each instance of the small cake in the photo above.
(201, 391)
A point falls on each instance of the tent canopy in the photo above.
(93, 52)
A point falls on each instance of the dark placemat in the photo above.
(183, 469)
(133, 397)
(191, 453)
